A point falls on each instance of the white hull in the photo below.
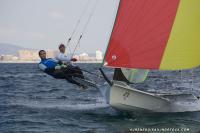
(124, 97)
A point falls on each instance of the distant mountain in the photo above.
(9, 49)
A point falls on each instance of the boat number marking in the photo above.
(126, 94)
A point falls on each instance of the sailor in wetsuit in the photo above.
(58, 70)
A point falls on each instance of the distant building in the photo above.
(8, 58)
(83, 57)
(99, 55)
(91, 59)
(32, 55)
(51, 53)
(28, 55)
(15, 58)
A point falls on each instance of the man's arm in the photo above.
(57, 61)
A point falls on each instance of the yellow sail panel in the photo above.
(183, 48)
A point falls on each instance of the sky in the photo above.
(44, 24)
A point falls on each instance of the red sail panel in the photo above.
(140, 33)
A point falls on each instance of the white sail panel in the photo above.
(135, 75)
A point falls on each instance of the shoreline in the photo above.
(34, 62)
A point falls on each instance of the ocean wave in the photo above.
(22, 75)
(23, 122)
(100, 103)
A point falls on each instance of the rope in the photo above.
(87, 72)
(90, 16)
(92, 73)
(76, 46)
(76, 26)
(85, 26)
(78, 22)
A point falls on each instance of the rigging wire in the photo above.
(82, 32)
(85, 27)
(97, 75)
(77, 24)
(91, 73)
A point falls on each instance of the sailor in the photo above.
(68, 61)
(62, 56)
(57, 69)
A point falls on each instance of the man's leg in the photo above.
(58, 74)
(69, 79)
(68, 74)
(77, 71)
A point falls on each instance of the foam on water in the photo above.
(188, 105)
(64, 105)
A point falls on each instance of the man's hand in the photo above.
(60, 62)
(74, 59)
(57, 67)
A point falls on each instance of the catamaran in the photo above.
(152, 35)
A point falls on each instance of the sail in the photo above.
(135, 75)
(155, 34)
(119, 76)
(130, 75)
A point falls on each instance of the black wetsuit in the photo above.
(48, 66)
(68, 73)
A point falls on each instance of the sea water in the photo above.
(33, 102)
